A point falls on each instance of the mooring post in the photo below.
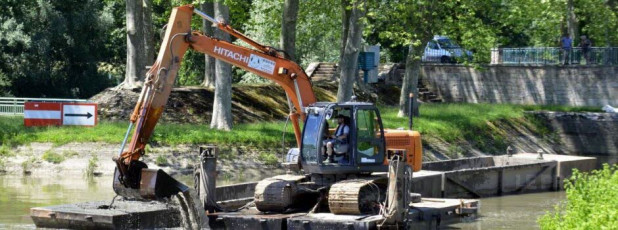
(207, 177)
(540, 152)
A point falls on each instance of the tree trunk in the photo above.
(410, 81)
(135, 45)
(222, 106)
(345, 26)
(348, 63)
(209, 62)
(149, 40)
(571, 20)
(288, 28)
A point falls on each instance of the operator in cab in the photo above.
(339, 138)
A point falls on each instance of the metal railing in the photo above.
(15, 105)
(555, 55)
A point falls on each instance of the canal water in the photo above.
(19, 193)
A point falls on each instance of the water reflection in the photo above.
(20, 193)
(513, 212)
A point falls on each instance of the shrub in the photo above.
(93, 163)
(27, 165)
(52, 157)
(5, 151)
(70, 153)
(591, 202)
(2, 165)
(161, 160)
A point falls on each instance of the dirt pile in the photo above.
(249, 102)
(194, 104)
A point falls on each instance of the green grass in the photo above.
(450, 122)
(262, 134)
(52, 157)
(268, 158)
(161, 160)
(591, 202)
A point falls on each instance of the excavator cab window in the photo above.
(311, 137)
(369, 137)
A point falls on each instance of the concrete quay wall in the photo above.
(541, 85)
(497, 175)
(474, 177)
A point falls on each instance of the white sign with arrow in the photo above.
(79, 114)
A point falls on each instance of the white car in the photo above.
(442, 49)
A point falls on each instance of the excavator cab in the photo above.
(363, 151)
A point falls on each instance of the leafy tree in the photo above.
(317, 28)
(53, 48)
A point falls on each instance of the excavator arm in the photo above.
(263, 61)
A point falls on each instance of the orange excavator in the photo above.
(350, 180)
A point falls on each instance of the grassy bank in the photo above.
(449, 122)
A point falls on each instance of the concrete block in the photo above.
(427, 183)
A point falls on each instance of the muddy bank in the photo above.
(235, 164)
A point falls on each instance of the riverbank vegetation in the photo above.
(591, 202)
(449, 122)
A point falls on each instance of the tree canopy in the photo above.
(69, 48)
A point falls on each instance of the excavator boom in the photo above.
(265, 62)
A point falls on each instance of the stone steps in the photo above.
(326, 72)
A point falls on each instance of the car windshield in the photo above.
(447, 44)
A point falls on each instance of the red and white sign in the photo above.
(42, 113)
(59, 113)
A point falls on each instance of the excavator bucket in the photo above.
(154, 184)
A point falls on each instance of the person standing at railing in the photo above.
(565, 43)
(585, 44)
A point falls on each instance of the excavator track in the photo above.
(277, 194)
(356, 196)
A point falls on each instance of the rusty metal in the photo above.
(89, 215)
(356, 196)
(276, 194)
(154, 184)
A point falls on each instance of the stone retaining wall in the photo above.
(543, 85)
(584, 133)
